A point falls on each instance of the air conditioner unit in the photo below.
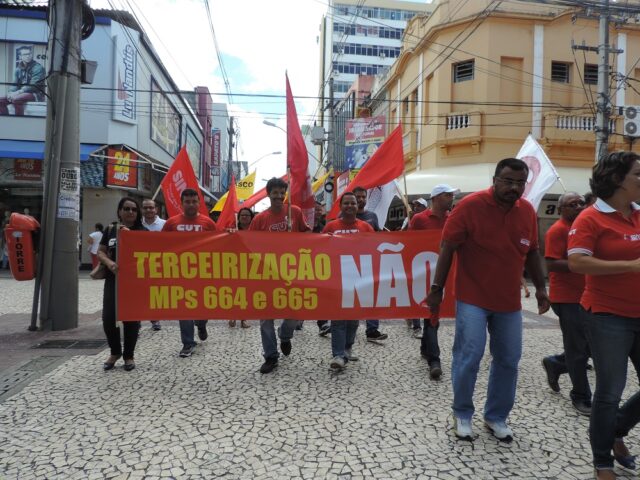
(631, 120)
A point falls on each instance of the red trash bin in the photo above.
(19, 237)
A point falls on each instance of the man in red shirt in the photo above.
(434, 219)
(565, 290)
(494, 234)
(275, 219)
(190, 220)
(343, 332)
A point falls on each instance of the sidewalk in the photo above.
(214, 415)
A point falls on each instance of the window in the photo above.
(590, 74)
(560, 72)
(463, 71)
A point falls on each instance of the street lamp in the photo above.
(271, 124)
(263, 156)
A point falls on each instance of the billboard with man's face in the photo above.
(23, 72)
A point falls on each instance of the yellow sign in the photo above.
(244, 189)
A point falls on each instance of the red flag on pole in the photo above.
(385, 165)
(227, 218)
(180, 176)
(298, 162)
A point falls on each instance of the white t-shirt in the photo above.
(156, 226)
(96, 236)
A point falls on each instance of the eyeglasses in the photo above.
(512, 183)
(575, 204)
(130, 209)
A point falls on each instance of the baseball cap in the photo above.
(443, 188)
(422, 202)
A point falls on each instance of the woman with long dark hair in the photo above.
(604, 245)
(129, 218)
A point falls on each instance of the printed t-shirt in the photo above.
(180, 223)
(341, 227)
(277, 222)
(110, 241)
(427, 220)
(602, 232)
(564, 287)
(493, 246)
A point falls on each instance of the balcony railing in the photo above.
(581, 122)
(560, 127)
(458, 121)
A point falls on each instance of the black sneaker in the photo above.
(202, 332)
(376, 335)
(155, 326)
(187, 351)
(583, 407)
(268, 365)
(324, 330)
(285, 347)
(435, 370)
(552, 374)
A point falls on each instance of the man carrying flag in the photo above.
(180, 176)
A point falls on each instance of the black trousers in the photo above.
(111, 331)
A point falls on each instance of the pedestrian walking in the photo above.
(343, 332)
(93, 242)
(494, 234)
(152, 222)
(565, 290)
(442, 197)
(604, 245)
(276, 219)
(190, 220)
(129, 218)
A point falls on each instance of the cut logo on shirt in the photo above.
(525, 241)
(633, 237)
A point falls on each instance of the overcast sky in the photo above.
(259, 40)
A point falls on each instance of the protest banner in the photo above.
(259, 275)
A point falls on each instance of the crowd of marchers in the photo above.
(592, 254)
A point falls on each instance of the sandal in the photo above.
(129, 364)
(622, 455)
(244, 324)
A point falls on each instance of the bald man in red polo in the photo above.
(495, 235)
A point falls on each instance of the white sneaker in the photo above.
(350, 356)
(500, 430)
(463, 429)
(337, 363)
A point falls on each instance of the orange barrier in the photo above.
(19, 237)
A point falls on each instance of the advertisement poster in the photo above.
(69, 194)
(165, 121)
(362, 139)
(122, 168)
(257, 275)
(125, 71)
(22, 79)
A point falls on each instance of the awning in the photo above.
(35, 150)
(471, 178)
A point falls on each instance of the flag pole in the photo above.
(289, 223)
(156, 194)
(405, 197)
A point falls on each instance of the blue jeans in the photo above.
(268, 335)
(614, 340)
(343, 335)
(187, 329)
(505, 344)
(372, 325)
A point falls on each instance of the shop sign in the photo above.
(122, 168)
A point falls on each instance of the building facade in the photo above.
(133, 118)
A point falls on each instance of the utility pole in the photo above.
(603, 103)
(58, 262)
(331, 144)
(230, 158)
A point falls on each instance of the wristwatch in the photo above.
(436, 289)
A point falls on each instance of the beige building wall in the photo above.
(457, 131)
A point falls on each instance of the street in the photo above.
(214, 415)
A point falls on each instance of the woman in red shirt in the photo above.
(604, 245)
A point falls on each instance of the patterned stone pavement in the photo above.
(214, 415)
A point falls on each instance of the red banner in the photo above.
(257, 275)
(122, 168)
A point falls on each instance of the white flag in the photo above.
(379, 200)
(542, 174)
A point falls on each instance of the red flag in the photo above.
(385, 165)
(298, 162)
(227, 218)
(180, 176)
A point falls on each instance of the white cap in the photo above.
(422, 202)
(443, 188)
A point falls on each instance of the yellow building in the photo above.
(475, 78)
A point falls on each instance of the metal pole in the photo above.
(230, 157)
(603, 103)
(330, 142)
(61, 206)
